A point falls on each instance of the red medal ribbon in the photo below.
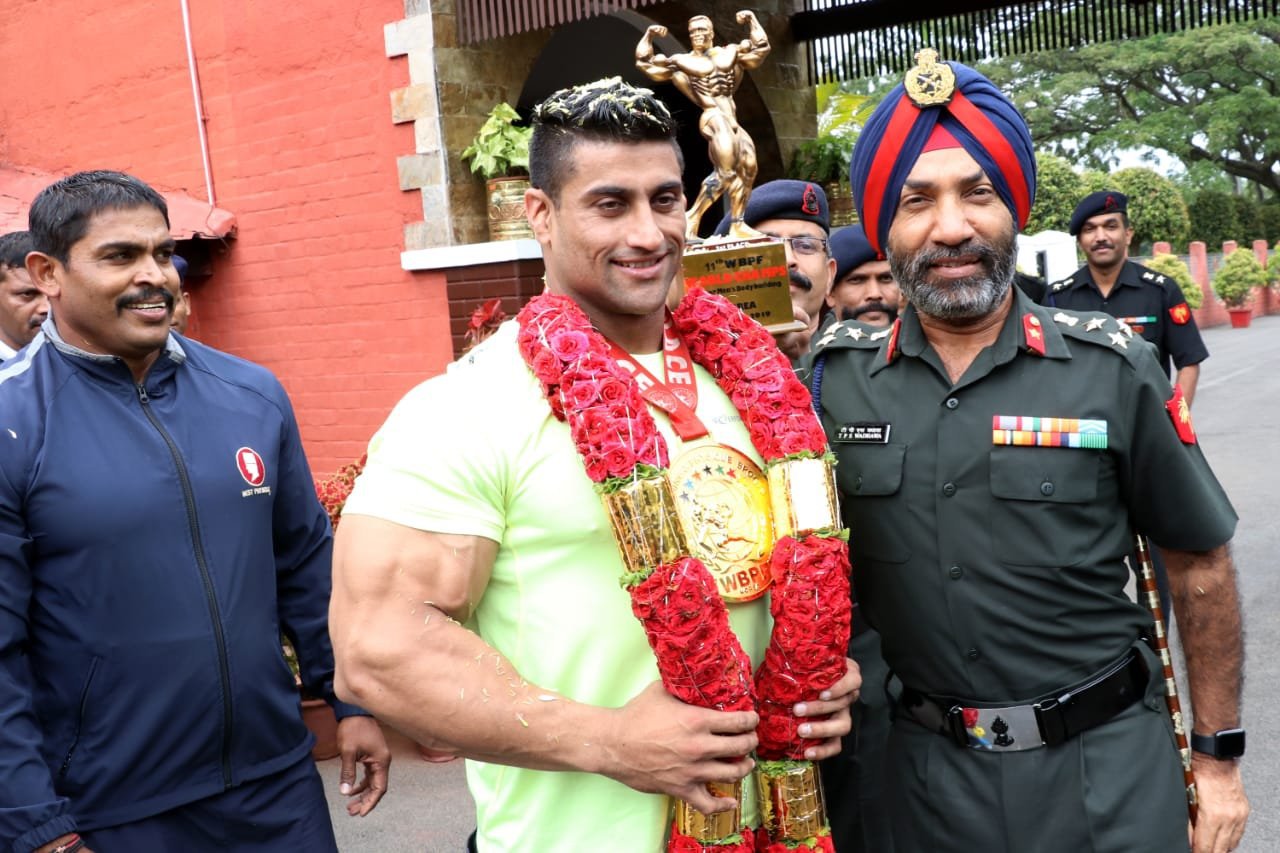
(677, 393)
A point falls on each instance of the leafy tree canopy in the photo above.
(1209, 95)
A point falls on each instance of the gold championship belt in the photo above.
(722, 498)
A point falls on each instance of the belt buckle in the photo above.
(1011, 728)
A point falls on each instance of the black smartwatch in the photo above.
(1228, 743)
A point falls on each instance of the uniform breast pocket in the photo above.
(870, 480)
(1044, 503)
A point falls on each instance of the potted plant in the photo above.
(1239, 274)
(824, 160)
(500, 154)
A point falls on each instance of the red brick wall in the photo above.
(303, 152)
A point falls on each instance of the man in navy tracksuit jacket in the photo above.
(159, 529)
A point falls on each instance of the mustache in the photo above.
(890, 311)
(147, 294)
(800, 280)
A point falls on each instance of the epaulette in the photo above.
(1155, 278)
(1099, 329)
(851, 334)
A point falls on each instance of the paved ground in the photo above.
(1237, 415)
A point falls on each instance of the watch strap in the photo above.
(1228, 743)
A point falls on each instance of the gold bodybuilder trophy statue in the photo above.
(749, 269)
(709, 75)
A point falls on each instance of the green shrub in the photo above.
(1213, 218)
(1249, 219)
(1172, 266)
(1058, 191)
(1156, 208)
(1239, 274)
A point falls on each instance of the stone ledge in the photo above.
(473, 254)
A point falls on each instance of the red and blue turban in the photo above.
(979, 117)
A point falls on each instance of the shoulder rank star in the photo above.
(856, 334)
(1067, 319)
(1125, 328)
(1061, 285)
(1094, 324)
(1119, 340)
(1149, 276)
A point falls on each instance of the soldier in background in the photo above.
(1150, 303)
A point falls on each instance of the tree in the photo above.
(1058, 190)
(1206, 95)
(1213, 218)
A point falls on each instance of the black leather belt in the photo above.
(1048, 722)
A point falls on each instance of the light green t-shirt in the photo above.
(477, 451)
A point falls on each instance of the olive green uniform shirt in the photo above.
(997, 572)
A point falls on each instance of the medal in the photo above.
(722, 499)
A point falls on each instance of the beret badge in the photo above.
(930, 83)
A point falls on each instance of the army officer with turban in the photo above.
(995, 458)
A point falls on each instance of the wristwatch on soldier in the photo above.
(1227, 743)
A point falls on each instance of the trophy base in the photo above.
(776, 329)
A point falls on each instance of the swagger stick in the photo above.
(1147, 585)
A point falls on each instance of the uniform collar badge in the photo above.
(891, 351)
(1033, 333)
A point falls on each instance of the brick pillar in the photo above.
(1160, 247)
(1210, 312)
(1267, 301)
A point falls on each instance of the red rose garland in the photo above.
(686, 622)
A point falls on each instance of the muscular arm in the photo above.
(400, 653)
(1207, 604)
(656, 66)
(1187, 378)
(752, 52)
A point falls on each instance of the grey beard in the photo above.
(963, 299)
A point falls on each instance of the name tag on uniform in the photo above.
(862, 433)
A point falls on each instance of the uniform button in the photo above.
(949, 489)
(973, 654)
(952, 402)
(956, 573)
(1046, 488)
